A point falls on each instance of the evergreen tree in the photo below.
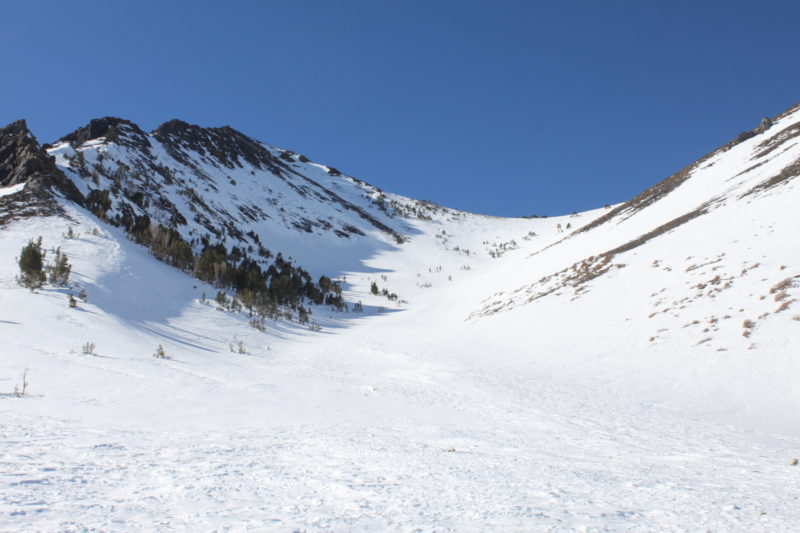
(31, 265)
(60, 270)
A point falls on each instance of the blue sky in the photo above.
(507, 108)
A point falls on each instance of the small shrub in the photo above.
(160, 353)
(221, 298)
(259, 324)
(783, 285)
(72, 302)
(82, 294)
(88, 348)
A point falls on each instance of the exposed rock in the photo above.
(112, 129)
(763, 126)
(225, 145)
(24, 160)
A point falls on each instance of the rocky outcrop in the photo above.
(763, 126)
(24, 160)
(225, 146)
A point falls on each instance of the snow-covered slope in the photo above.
(219, 185)
(628, 368)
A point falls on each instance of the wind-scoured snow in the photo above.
(637, 376)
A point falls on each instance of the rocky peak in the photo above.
(226, 145)
(24, 160)
(112, 129)
(20, 154)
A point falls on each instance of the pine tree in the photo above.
(31, 265)
(60, 270)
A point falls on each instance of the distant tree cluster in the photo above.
(262, 290)
(260, 282)
(375, 291)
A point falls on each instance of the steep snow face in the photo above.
(628, 368)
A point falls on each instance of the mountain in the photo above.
(337, 357)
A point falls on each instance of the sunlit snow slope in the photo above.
(629, 368)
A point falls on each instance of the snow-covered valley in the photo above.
(636, 375)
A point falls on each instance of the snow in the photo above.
(7, 191)
(596, 409)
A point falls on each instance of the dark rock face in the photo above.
(20, 155)
(225, 145)
(23, 160)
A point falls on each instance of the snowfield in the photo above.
(510, 388)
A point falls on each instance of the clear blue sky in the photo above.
(500, 107)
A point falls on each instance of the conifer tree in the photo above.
(60, 270)
(31, 265)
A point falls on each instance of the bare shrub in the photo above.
(160, 353)
(19, 392)
(782, 285)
